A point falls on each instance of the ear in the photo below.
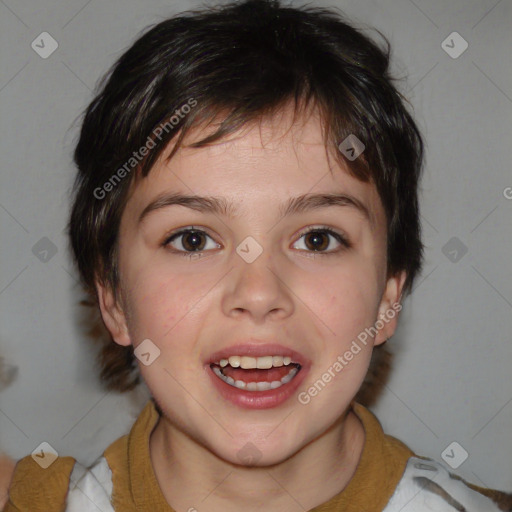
(389, 307)
(113, 315)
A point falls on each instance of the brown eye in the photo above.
(189, 241)
(193, 241)
(319, 240)
(316, 241)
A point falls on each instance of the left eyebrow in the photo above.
(308, 202)
(219, 205)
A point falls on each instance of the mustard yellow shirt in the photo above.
(135, 487)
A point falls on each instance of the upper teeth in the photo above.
(262, 363)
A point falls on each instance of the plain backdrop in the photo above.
(451, 380)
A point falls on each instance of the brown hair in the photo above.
(242, 61)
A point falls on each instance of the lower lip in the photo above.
(257, 399)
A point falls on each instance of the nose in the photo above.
(258, 290)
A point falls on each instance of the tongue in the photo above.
(257, 375)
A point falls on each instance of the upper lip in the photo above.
(258, 349)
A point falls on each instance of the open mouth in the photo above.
(256, 373)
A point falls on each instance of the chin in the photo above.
(254, 449)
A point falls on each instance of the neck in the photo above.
(190, 475)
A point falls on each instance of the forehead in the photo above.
(263, 164)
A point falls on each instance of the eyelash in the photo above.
(317, 229)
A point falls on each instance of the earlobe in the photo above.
(390, 307)
(113, 315)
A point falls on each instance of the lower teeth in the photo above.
(255, 386)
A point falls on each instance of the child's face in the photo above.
(312, 304)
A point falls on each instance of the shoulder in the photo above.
(64, 486)
(427, 486)
(36, 488)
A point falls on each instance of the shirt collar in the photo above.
(378, 472)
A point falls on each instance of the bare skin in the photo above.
(281, 486)
(291, 294)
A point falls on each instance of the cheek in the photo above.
(347, 304)
(160, 302)
(344, 299)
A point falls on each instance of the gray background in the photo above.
(451, 380)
